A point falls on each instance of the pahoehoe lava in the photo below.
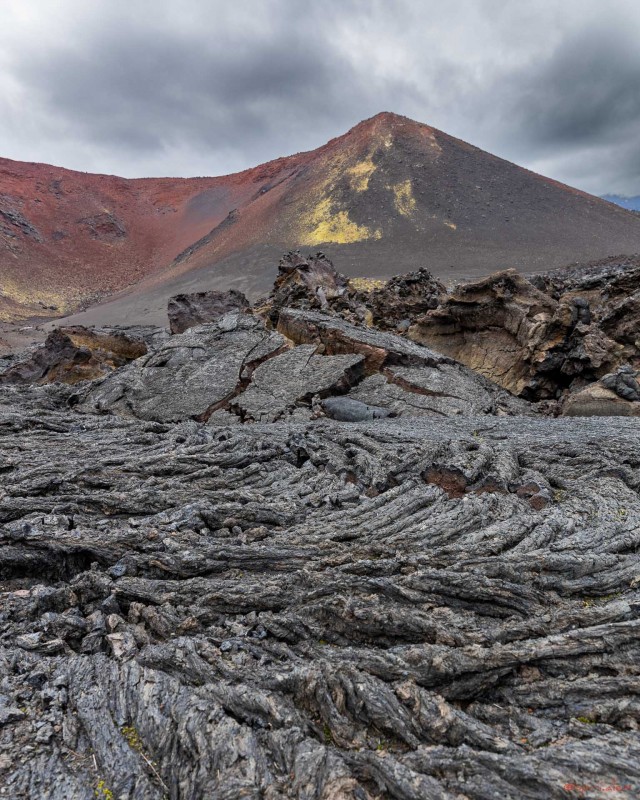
(212, 586)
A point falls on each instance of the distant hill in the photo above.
(632, 203)
(388, 196)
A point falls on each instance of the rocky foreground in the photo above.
(290, 553)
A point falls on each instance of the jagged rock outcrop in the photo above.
(310, 283)
(316, 609)
(523, 339)
(74, 354)
(188, 310)
(621, 321)
(313, 284)
(611, 289)
(400, 300)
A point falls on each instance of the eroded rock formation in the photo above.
(540, 338)
(612, 291)
(71, 355)
(527, 341)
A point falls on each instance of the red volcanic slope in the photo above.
(390, 195)
(69, 237)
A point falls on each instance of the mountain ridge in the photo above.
(388, 195)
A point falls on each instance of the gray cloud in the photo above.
(586, 93)
(579, 110)
(147, 88)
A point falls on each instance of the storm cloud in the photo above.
(210, 87)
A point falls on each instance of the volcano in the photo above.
(388, 196)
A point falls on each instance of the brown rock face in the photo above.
(188, 310)
(523, 339)
(71, 355)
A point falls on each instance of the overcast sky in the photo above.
(208, 87)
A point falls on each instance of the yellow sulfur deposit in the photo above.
(366, 284)
(323, 225)
(359, 175)
(404, 199)
(18, 301)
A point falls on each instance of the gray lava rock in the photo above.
(191, 374)
(189, 310)
(293, 378)
(346, 409)
(440, 607)
(447, 390)
(624, 383)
